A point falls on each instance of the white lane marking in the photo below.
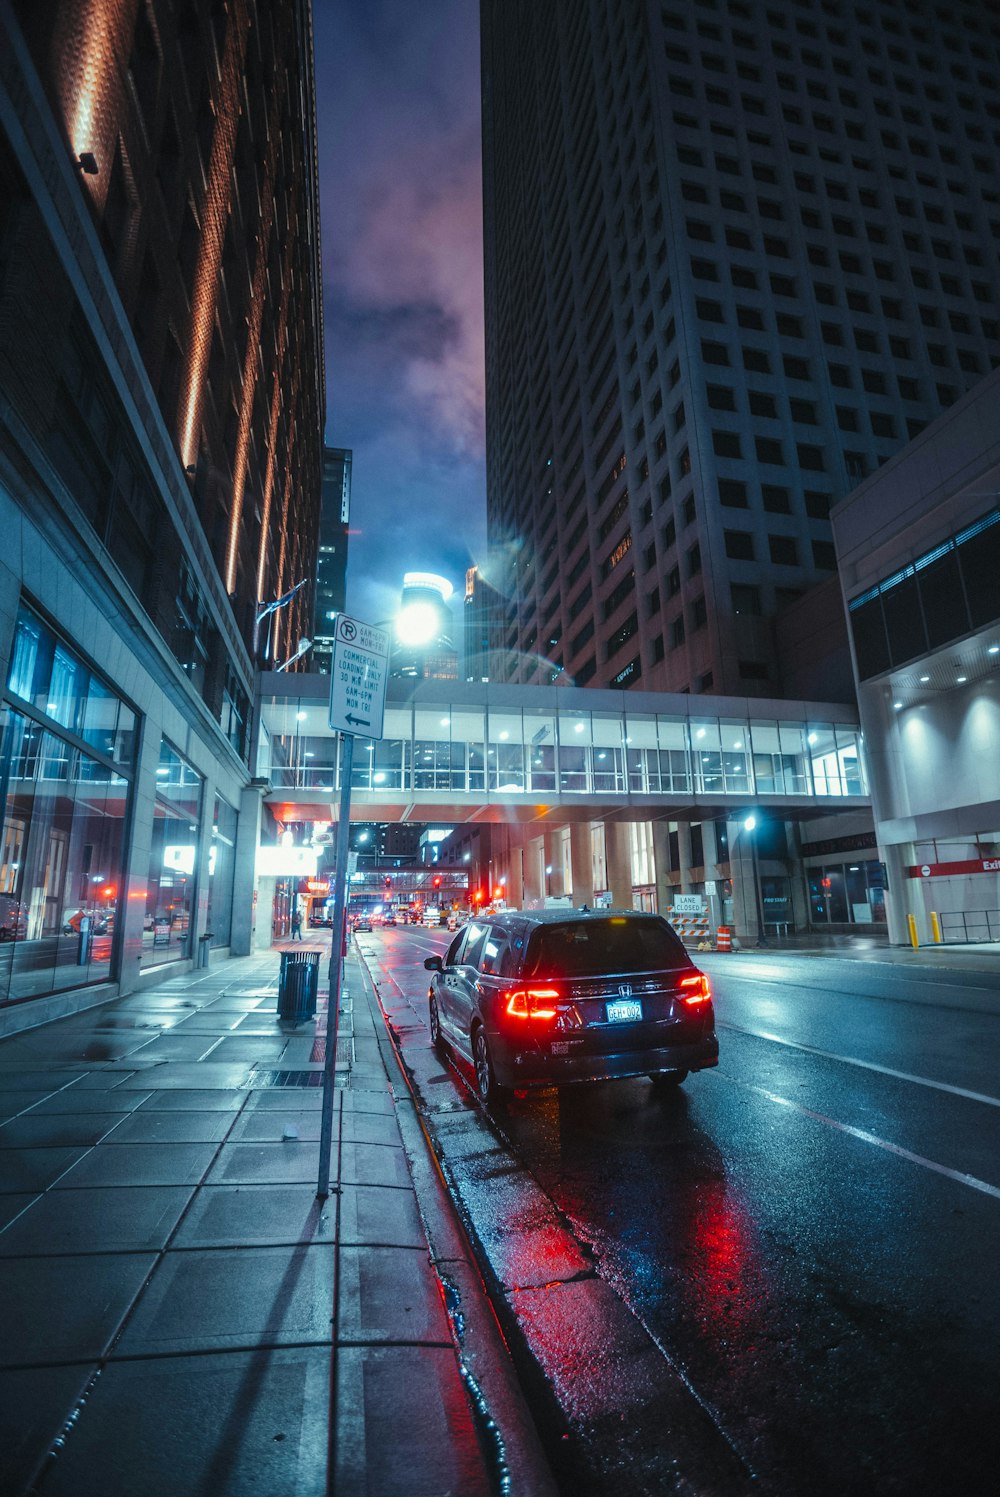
(872, 1138)
(867, 1065)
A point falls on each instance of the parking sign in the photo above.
(358, 673)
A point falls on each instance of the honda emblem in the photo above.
(625, 990)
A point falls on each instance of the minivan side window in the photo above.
(451, 957)
(473, 948)
(494, 949)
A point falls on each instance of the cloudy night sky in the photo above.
(400, 184)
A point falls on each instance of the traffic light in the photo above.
(436, 881)
(387, 881)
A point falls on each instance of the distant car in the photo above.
(388, 919)
(547, 997)
(362, 923)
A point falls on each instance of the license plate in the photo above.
(624, 1011)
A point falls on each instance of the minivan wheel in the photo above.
(489, 1091)
(434, 1019)
(665, 1081)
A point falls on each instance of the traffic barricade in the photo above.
(298, 984)
(723, 938)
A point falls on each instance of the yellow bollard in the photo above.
(911, 922)
(935, 927)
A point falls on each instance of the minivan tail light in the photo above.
(696, 990)
(531, 1003)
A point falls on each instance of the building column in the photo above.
(684, 855)
(245, 892)
(903, 895)
(616, 851)
(664, 895)
(132, 908)
(555, 882)
(515, 874)
(582, 860)
(533, 873)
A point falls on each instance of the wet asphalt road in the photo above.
(809, 1234)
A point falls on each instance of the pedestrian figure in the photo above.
(296, 926)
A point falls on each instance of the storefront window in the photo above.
(66, 773)
(167, 927)
(221, 866)
(851, 894)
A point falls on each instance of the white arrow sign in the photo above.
(358, 673)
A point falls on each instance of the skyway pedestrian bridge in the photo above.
(457, 751)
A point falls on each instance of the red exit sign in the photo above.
(942, 870)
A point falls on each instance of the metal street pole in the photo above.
(336, 962)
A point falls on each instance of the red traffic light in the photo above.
(436, 882)
(387, 881)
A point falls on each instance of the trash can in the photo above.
(298, 982)
(204, 942)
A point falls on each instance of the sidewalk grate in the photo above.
(345, 1059)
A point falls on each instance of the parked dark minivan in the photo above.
(545, 997)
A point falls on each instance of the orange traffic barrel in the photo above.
(723, 938)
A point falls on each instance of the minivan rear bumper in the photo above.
(524, 1067)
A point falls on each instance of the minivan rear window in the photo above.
(591, 948)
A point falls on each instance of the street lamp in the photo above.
(548, 872)
(750, 826)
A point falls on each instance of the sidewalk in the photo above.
(181, 1315)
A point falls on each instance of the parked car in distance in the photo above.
(548, 997)
(362, 922)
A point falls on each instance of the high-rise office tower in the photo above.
(161, 417)
(738, 252)
(331, 563)
(422, 643)
(483, 619)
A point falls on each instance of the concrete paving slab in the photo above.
(288, 1163)
(110, 1220)
(379, 1215)
(174, 1046)
(368, 1098)
(76, 1099)
(304, 1099)
(373, 1164)
(14, 1103)
(31, 1077)
(424, 1444)
(66, 1309)
(270, 1124)
(34, 1130)
(367, 1128)
(386, 1294)
(35, 1169)
(34, 1406)
(192, 1099)
(139, 1164)
(216, 1299)
(256, 1216)
(257, 1051)
(11, 1206)
(175, 1076)
(178, 1127)
(247, 1424)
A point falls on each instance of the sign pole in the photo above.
(337, 937)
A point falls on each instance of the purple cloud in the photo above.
(398, 105)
